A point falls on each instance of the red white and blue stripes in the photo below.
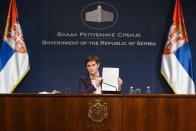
(176, 60)
(14, 60)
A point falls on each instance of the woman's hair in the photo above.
(92, 58)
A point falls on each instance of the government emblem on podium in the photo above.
(97, 111)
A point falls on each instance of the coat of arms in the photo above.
(98, 111)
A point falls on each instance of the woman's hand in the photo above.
(98, 81)
(120, 84)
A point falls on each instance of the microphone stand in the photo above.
(110, 85)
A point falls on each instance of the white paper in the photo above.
(53, 92)
(43, 92)
(110, 79)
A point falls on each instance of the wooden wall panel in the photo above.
(159, 114)
(60, 112)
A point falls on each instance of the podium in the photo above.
(118, 112)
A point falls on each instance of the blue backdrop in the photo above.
(58, 66)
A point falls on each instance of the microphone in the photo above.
(102, 82)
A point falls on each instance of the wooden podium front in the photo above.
(61, 112)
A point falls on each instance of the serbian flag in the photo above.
(14, 60)
(176, 64)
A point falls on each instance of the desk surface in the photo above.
(99, 95)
